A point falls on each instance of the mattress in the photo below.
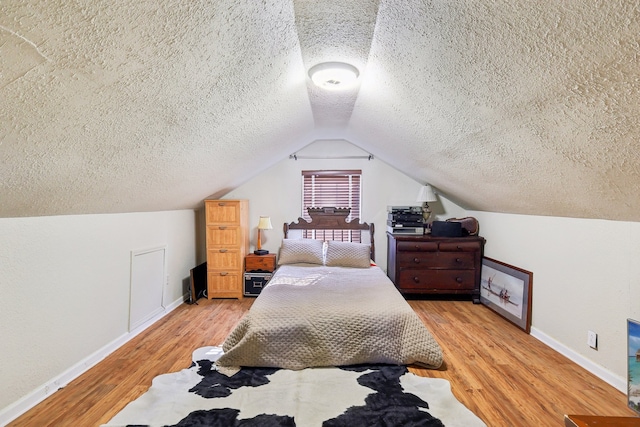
(311, 315)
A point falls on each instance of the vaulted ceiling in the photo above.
(528, 107)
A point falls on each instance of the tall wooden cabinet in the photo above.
(227, 230)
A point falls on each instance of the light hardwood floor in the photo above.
(503, 375)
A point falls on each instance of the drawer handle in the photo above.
(223, 273)
(458, 260)
(223, 250)
(416, 260)
(222, 227)
(222, 204)
(416, 279)
(459, 279)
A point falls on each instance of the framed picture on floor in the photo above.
(633, 369)
(507, 290)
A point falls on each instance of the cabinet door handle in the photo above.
(223, 250)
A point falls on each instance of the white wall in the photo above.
(585, 277)
(64, 287)
(277, 192)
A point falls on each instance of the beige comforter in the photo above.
(329, 316)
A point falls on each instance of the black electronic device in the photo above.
(416, 223)
(405, 220)
(404, 209)
(404, 217)
(198, 285)
(446, 229)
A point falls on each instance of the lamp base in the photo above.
(261, 252)
(426, 212)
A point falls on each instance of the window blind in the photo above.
(332, 188)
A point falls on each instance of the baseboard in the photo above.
(597, 370)
(27, 402)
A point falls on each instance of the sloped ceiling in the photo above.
(137, 105)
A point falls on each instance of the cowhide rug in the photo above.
(364, 395)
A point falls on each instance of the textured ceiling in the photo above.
(522, 107)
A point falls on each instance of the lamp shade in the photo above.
(265, 223)
(426, 194)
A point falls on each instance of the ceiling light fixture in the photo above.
(334, 75)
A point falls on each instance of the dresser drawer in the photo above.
(224, 259)
(436, 260)
(417, 246)
(224, 235)
(224, 212)
(436, 280)
(460, 246)
(224, 284)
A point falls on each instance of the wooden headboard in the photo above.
(332, 219)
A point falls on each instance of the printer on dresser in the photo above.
(423, 264)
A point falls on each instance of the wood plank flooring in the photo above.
(503, 375)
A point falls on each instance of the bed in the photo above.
(328, 304)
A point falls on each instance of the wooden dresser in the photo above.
(227, 239)
(600, 421)
(420, 264)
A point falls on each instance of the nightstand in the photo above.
(260, 263)
(258, 271)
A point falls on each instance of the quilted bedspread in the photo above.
(309, 316)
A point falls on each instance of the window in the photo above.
(332, 188)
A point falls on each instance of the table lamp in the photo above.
(263, 224)
(425, 196)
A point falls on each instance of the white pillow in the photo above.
(295, 251)
(348, 254)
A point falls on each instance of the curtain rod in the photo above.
(296, 157)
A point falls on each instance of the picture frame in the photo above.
(633, 364)
(507, 290)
